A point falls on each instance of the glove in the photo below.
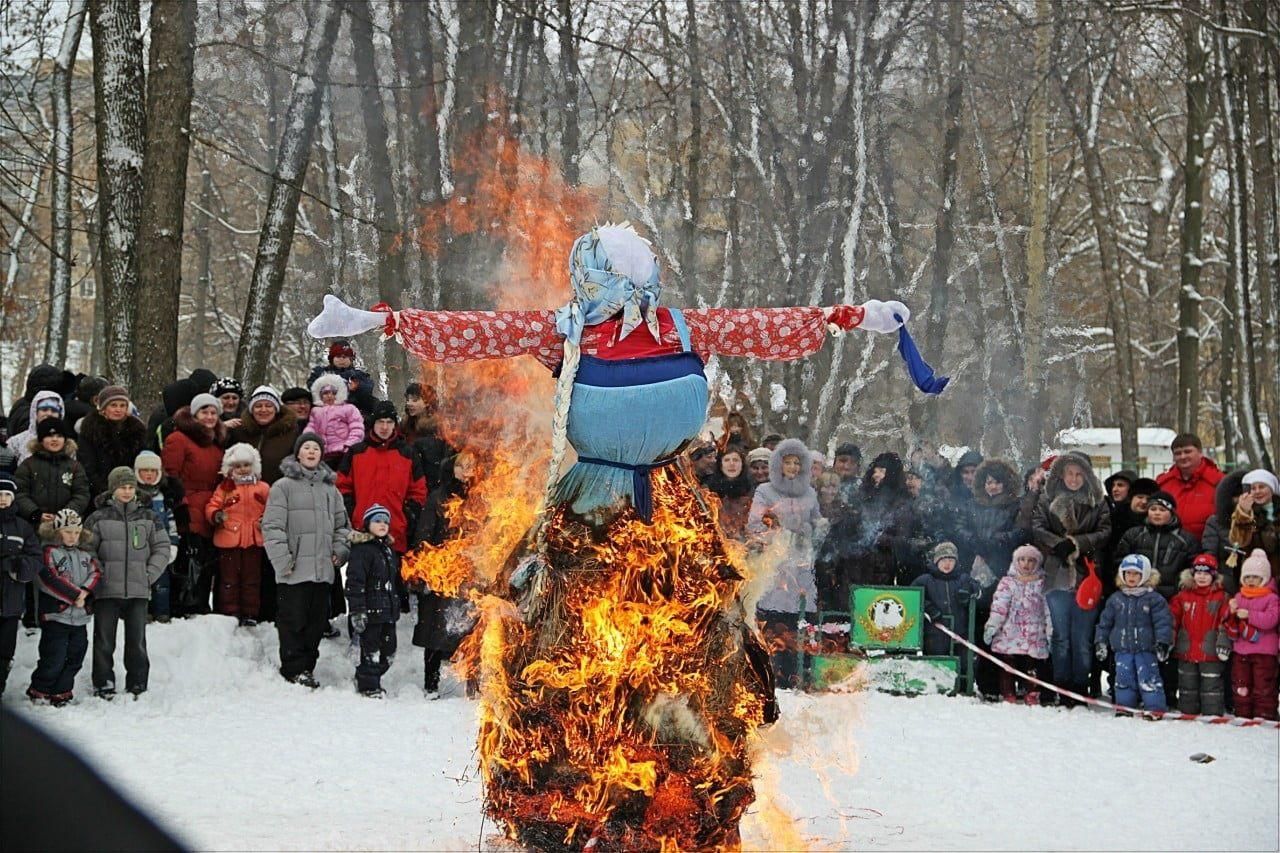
(1100, 651)
(359, 621)
(1224, 653)
(1064, 549)
(219, 518)
(988, 635)
(1162, 652)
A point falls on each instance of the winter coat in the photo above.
(443, 622)
(1169, 548)
(1135, 623)
(423, 436)
(46, 377)
(387, 473)
(19, 561)
(1020, 616)
(1199, 621)
(304, 527)
(736, 496)
(787, 511)
(1259, 528)
(1194, 495)
(946, 600)
(48, 482)
(959, 500)
(362, 398)
(132, 547)
(242, 506)
(1082, 515)
(872, 541)
(105, 444)
(20, 444)
(340, 425)
(991, 529)
(273, 442)
(193, 455)
(372, 569)
(1264, 614)
(64, 572)
(167, 501)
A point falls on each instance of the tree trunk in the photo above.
(1189, 297)
(55, 341)
(164, 193)
(120, 126)
(1037, 237)
(391, 272)
(693, 184)
(204, 282)
(276, 237)
(424, 134)
(569, 136)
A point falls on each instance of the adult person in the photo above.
(44, 405)
(421, 429)
(1255, 524)
(1217, 530)
(758, 465)
(737, 433)
(703, 458)
(110, 437)
(960, 497)
(230, 394)
(46, 377)
(1071, 523)
(270, 428)
(193, 456)
(993, 534)
(173, 396)
(848, 466)
(1191, 481)
(299, 401)
(733, 485)
(342, 357)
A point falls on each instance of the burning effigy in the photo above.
(621, 677)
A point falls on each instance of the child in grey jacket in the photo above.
(68, 577)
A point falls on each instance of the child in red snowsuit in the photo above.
(1200, 643)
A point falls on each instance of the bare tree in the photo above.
(1189, 297)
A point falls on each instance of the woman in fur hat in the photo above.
(109, 437)
(192, 455)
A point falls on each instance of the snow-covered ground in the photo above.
(230, 757)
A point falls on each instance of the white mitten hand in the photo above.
(340, 320)
(879, 316)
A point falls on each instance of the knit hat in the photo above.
(760, 454)
(1027, 551)
(227, 385)
(1164, 499)
(1144, 486)
(296, 393)
(1204, 563)
(266, 392)
(8, 486)
(1263, 476)
(943, 550)
(147, 461)
(50, 426)
(121, 476)
(67, 519)
(1136, 563)
(384, 410)
(341, 347)
(773, 436)
(54, 403)
(376, 512)
(304, 438)
(849, 449)
(110, 394)
(1256, 565)
(201, 401)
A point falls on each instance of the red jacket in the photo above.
(1199, 623)
(1194, 496)
(193, 456)
(387, 473)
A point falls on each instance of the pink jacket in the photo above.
(1020, 617)
(340, 425)
(1264, 614)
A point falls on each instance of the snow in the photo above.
(229, 756)
(1147, 436)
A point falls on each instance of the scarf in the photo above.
(1254, 591)
(246, 480)
(599, 293)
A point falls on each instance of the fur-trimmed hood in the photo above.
(1186, 580)
(69, 448)
(895, 477)
(186, 423)
(49, 536)
(358, 536)
(799, 485)
(290, 467)
(1003, 472)
(1090, 495)
(1225, 495)
(329, 380)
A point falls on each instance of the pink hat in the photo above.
(1027, 551)
(1256, 565)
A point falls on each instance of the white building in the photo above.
(1102, 446)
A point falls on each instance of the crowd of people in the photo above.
(296, 508)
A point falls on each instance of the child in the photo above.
(19, 563)
(68, 577)
(1201, 645)
(1255, 612)
(341, 363)
(1138, 627)
(336, 421)
(235, 511)
(1019, 627)
(166, 498)
(947, 594)
(133, 550)
(372, 569)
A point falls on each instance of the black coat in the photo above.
(946, 602)
(869, 544)
(48, 482)
(46, 377)
(991, 528)
(443, 622)
(108, 444)
(372, 568)
(20, 560)
(362, 398)
(1169, 548)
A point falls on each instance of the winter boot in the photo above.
(37, 697)
(373, 693)
(331, 632)
(60, 699)
(1008, 692)
(108, 692)
(306, 679)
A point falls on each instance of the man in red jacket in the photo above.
(1192, 481)
(383, 469)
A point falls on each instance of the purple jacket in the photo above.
(1264, 614)
(340, 425)
(1020, 617)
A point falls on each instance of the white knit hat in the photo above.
(201, 401)
(266, 392)
(1263, 476)
(1256, 565)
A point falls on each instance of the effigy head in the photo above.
(613, 270)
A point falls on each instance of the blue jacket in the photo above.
(1135, 623)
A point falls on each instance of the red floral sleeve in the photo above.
(776, 334)
(453, 336)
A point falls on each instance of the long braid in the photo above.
(559, 427)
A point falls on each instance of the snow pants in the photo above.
(107, 613)
(1071, 647)
(1200, 687)
(377, 648)
(1253, 685)
(240, 582)
(62, 651)
(302, 615)
(8, 645)
(1138, 675)
(1010, 684)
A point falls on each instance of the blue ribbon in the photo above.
(921, 372)
(640, 482)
